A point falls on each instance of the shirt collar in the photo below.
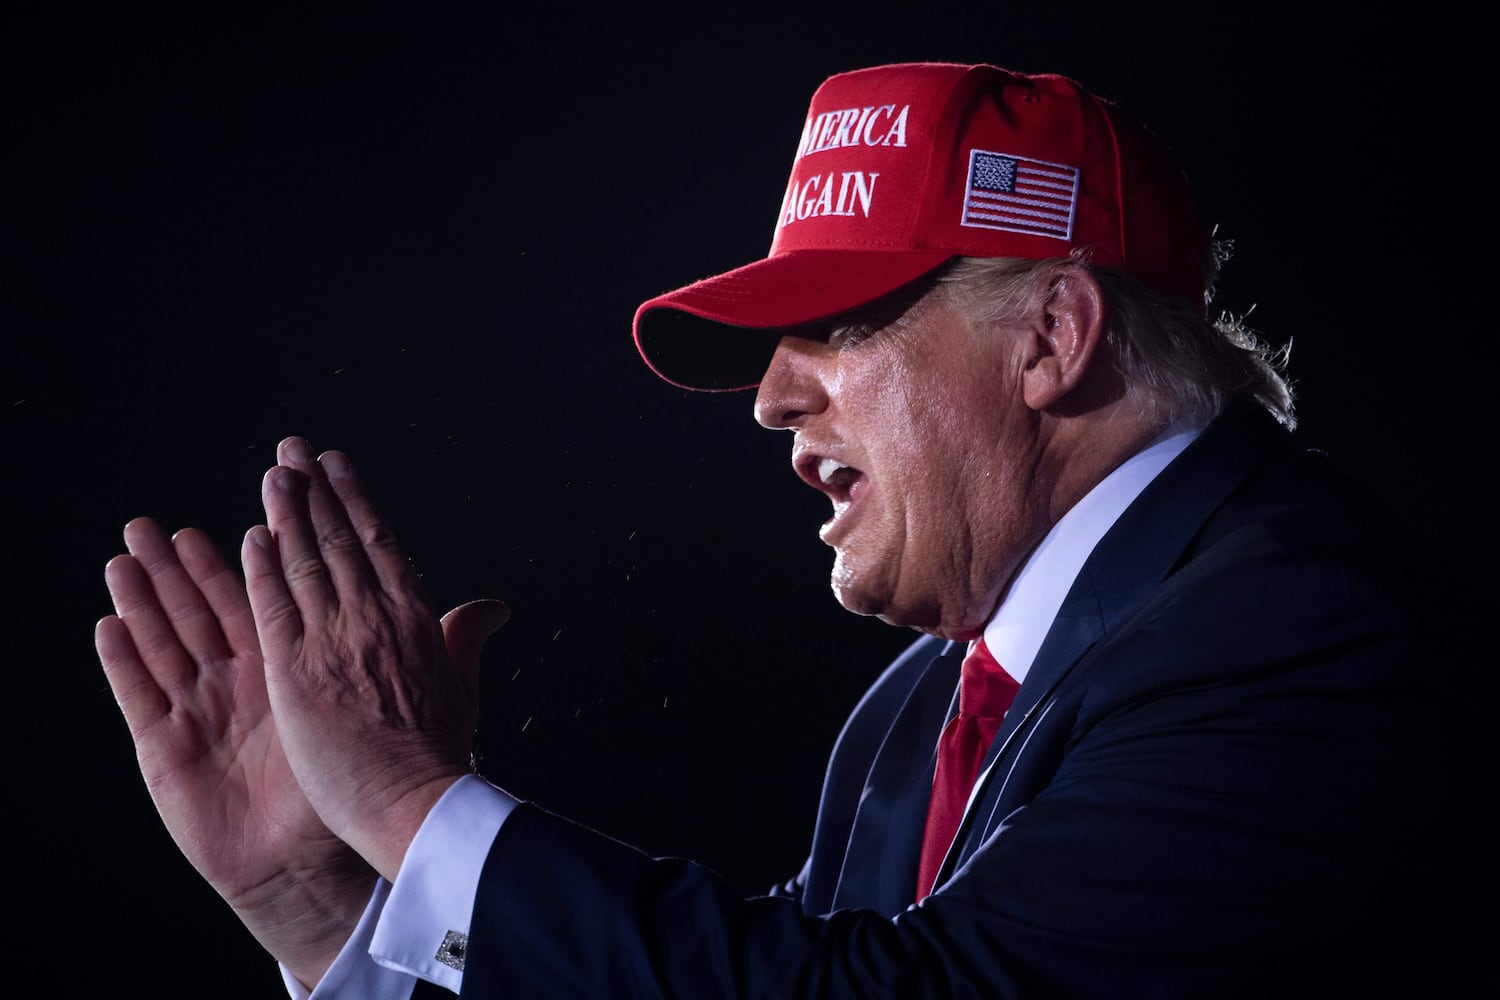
(1032, 601)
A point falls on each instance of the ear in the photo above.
(1069, 332)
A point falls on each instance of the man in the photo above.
(1177, 725)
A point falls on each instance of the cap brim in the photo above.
(715, 334)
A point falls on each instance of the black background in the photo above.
(418, 234)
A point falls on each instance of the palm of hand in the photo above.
(184, 663)
(219, 775)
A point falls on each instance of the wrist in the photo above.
(384, 838)
(304, 918)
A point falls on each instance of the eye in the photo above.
(850, 334)
(893, 313)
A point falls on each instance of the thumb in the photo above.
(465, 630)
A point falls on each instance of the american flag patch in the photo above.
(1020, 195)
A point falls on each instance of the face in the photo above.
(916, 429)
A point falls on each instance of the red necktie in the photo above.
(985, 692)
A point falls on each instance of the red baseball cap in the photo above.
(901, 168)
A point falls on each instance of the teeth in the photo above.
(827, 469)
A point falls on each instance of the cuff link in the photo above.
(451, 952)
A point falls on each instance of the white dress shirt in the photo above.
(426, 913)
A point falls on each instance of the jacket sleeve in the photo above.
(572, 913)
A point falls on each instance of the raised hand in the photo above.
(374, 696)
(182, 658)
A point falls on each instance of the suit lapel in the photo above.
(880, 867)
(1124, 570)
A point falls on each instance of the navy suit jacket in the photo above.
(1232, 770)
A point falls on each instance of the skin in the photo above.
(183, 661)
(287, 777)
(970, 439)
(295, 730)
(376, 720)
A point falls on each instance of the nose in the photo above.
(792, 388)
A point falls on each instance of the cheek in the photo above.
(896, 407)
(937, 454)
(916, 436)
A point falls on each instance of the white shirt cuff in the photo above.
(423, 929)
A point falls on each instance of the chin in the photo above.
(886, 605)
(856, 601)
(854, 590)
(922, 613)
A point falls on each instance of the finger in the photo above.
(278, 621)
(221, 587)
(136, 691)
(156, 642)
(192, 619)
(296, 453)
(299, 559)
(385, 556)
(341, 545)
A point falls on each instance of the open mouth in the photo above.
(837, 480)
(840, 482)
